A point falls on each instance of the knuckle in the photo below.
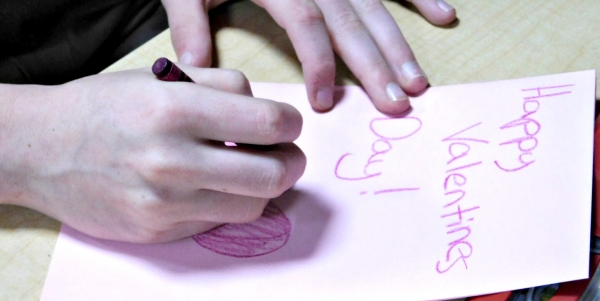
(276, 178)
(270, 121)
(369, 6)
(322, 71)
(237, 81)
(151, 216)
(252, 211)
(162, 114)
(379, 72)
(308, 14)
(348, 21)
(155, 167)
(149, 212)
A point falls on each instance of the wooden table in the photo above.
(492, 40)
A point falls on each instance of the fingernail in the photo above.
(444, 6)
(412, 70)
(395, 93)
(186, 58)
(325, 97)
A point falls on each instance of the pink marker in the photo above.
(165, 70)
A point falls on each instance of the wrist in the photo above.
(20, 113)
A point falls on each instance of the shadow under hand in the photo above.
(17, 217)
(308, 215)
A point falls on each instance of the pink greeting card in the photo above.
(480, 188)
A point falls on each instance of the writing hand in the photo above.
(127, 157)
(362, 33)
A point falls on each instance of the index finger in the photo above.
(207, 113)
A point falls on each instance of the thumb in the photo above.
(190, 31)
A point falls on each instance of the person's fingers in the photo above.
(392, 45)
(218, 207)
(229, 80)
(241, 170)
(190, 31)
(209, 114)
(183, 230)
(168, 233)
(438, 12)
(202, 211)
(305, 25)
(356, 47)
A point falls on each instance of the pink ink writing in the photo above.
(458, 218)
(386, 131)
(528, 126)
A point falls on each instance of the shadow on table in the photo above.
(309, 218)
(17, 217)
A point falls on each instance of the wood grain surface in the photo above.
(492, 40)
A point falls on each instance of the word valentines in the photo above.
(460, 145)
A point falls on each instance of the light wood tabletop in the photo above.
(492, 40)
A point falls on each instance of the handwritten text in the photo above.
(382, 145)
(530, 127)
(458, 218)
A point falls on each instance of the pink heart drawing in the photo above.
(263, 236)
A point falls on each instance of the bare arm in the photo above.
(127, 157)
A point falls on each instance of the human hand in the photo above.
(362, 33)
(125, 156)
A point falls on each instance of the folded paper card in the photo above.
(480, 188)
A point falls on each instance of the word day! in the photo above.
(379, 148)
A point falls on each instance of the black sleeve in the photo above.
(55, 41)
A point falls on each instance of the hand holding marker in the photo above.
(165, 70)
